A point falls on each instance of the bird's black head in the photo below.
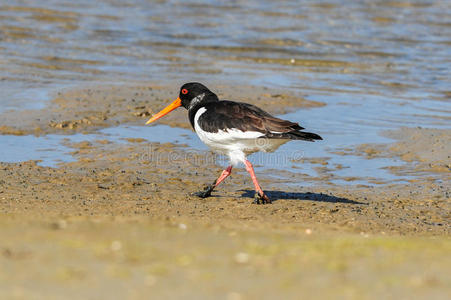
(193, 93)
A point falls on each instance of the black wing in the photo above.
(225, 115)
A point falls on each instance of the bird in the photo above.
(233, 129)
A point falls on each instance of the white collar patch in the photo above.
(196, 100)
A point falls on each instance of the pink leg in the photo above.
(224, 175)
(209, 188)
(258, 189)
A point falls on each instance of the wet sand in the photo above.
(120, 217)
(140, 177)
(426, 150)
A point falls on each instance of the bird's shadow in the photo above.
(280, 195)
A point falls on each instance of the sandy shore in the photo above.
(116, 217)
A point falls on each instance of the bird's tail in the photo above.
(296, 135)
(306, 136)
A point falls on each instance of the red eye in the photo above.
(184, 91)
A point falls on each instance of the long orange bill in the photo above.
(166, 110)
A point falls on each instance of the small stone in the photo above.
(150, 280)
(116, 246)
(60, 224)
(242, 257)
(234, 296)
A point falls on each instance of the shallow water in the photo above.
(53, 149)
(377, 65)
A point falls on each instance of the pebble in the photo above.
(242, 257)
(116, 246)
(234, 296)
(60, 224)
(150, 280)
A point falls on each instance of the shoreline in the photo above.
(112, 178)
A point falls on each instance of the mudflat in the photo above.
(119, 217)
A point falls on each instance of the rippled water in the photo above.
(376, 64)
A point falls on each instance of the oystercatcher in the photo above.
(234, 129)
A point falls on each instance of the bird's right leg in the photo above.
(260, 196)
(209, 188)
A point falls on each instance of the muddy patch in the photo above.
(125, 179)
(90, 109)
(426, 150)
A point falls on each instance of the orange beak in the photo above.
(166, 110)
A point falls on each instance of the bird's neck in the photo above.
(199, 102)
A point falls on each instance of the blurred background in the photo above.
(386, 49)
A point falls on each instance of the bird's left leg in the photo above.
(260, 196)
(209, 188)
